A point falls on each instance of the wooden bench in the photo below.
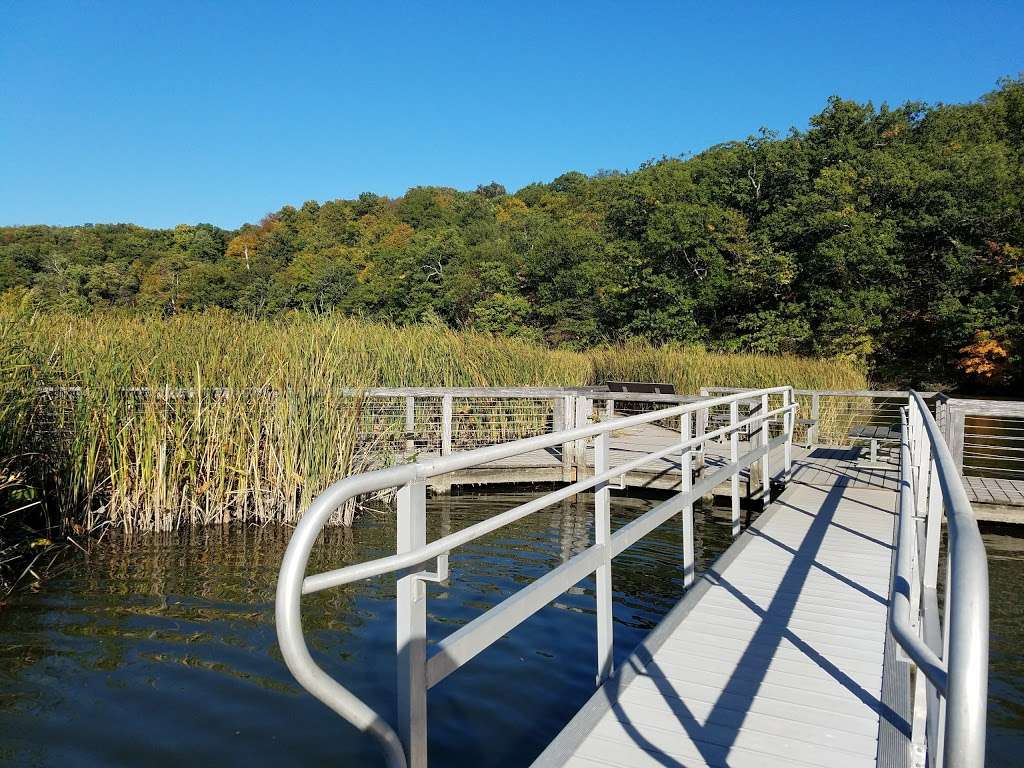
(875, 434)
(642, 387)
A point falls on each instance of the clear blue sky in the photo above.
(167, 112)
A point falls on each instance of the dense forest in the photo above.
(888, 236)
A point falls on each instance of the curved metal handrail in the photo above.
(293, 583)
(961, 676)
(967, 606)
(899, 616)
(288, 612)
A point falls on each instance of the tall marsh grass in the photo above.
(690, 368)
(150, 423)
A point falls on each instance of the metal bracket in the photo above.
(441, 575)
(622, 483)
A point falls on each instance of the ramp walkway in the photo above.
(816, 639)
(775, 658)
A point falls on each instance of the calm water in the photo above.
(1005, 546)
(166, 650)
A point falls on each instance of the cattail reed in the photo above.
(151, 423)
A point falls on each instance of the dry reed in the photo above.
(150, 423)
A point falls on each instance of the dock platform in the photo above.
(994, 499)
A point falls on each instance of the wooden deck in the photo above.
(996, 499)
(993, 499)
(812, 464)
(776, 656)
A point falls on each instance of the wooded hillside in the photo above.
(887, 235)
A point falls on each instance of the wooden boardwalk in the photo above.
(814, 465)
(994, 499)
(776, 656)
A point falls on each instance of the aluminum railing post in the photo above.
(734, 456)
(685, 486)
(923, 480)
(957, 417)
(567, 422)
(788, 421)
(766, 475)
(919, 724)
(922, 460)
(930, 573)
(603, 575)
(446, 424)
(934, 531)
(411, 624)
(702, 428)
(812, 437)
(584, 415)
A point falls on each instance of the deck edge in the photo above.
(894, 743)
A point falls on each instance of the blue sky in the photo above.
(167, 112)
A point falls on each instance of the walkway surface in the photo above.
(775, 657)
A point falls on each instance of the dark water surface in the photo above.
(164, 652)
(1005, 547)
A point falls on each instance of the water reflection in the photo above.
(1005, 547)
(166, 650)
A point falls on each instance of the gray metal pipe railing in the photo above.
(930, 484)
(900, 623)
(288, 612)
(417, 672)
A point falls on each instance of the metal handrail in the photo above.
(417, 672)
(903, 629)
(950, 727)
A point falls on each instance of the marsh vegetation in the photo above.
(142, 422)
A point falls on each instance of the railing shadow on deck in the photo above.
(715, 737)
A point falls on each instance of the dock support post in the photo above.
(567, 421)
(446, 425)
(734, 457)
(766, 471)
(411, 625)
(609, 409)
(603, 575)
(685, 485)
